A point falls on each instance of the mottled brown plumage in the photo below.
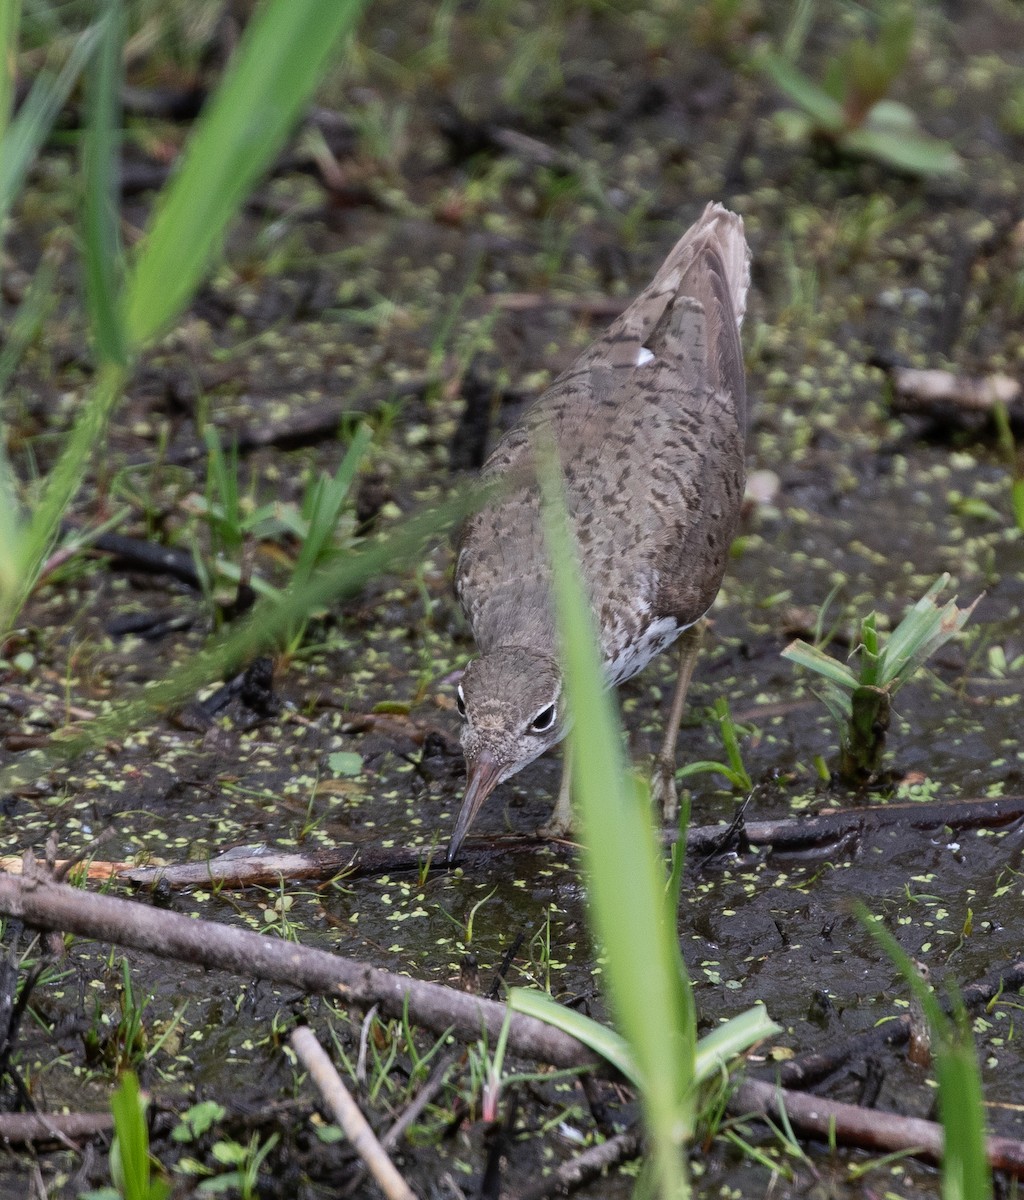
(649, 423)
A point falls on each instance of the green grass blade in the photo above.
(130, 1164)
(100, 156)
(26, 133)
(966, 1174)
(907, 635)
(279, 61)
(61, 485)
(647, 986)
(731, 744)
(24, 327)
(12, 531)
(740, 780)
(328, 500)
(10, 16)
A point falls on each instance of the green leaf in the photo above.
(345, 762)
(739, 780)
(914, 153)
(612, 1046)
(282, 54)
(229, 1153)
(825, 109)
(820, 663)
(716, 1049)
(923, 631)
(222, 1183)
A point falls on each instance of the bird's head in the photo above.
(511, 705)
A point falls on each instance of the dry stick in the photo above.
(420, 1101)
(53, 1127)
(346, 1112)
(869, 1128)
(586, 1166)
(412, 1110)
(46, 905)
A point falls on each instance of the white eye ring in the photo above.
(460, 702)
(543, 721)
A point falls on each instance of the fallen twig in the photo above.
(46, 905)
(410, 1113)
(346, 1112)
(53, 1127)
(869, 1128)
(924, 390)
(586, 1166)
(812, 1067)
(263, 865)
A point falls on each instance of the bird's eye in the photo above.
(543, 720)
(460, 702)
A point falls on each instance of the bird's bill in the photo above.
(482, 777)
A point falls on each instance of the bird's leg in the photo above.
(559, 824)
(663, 777)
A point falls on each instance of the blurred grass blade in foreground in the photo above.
(265, 624)
(282, 55)
(283, 52)
(10, 18)
(648, 989)
(25, 134)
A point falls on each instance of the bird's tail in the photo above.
(716, 235)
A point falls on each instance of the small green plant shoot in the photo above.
(860, 697)
(849, 109)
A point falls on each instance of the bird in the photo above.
(649, 426)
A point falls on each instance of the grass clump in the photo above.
(283, 53)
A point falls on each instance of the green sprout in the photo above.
(135, 1174)
(850, 110)
(860, 699)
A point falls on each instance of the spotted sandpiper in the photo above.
(649, 424)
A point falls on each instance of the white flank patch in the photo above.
(657, 638)
(644, 357)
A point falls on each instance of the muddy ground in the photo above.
(497, 166)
